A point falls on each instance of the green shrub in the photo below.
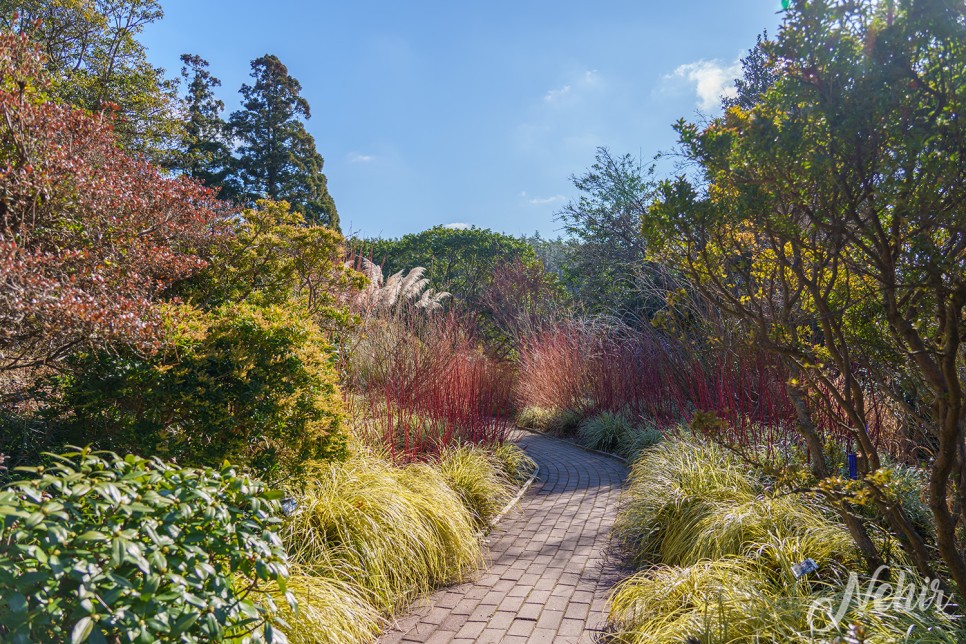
(102, 548)
(479, 479)
(23, 439)
(254, 385)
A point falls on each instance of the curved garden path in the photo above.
(547, 578)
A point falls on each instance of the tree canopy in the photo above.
(606, 259)
(277, 158)
(95, 61)
(205, 151)
(459, 261)
(828, 215)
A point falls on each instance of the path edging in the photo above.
(516, 499)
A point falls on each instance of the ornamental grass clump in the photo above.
(96, 547)
(715, 545)
(605, 431)
(618, 433)
(514, 462)
(392, 532)
(369, 536)
(329, 610)
(480, 480)
(548, 419)
(737, 600)
(690, 501)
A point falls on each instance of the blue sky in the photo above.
(473, 112)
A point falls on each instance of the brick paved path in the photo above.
(546, 580)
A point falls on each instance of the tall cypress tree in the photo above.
(206, 151)
(277, 156)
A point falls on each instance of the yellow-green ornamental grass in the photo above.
(715, 547)
(368, 537)
(482, 481)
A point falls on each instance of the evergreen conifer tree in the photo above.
(277, 157)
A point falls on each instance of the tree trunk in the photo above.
(816, 455)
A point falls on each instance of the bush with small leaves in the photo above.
(100, 548)
(251, 384)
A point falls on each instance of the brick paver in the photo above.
(547, 578)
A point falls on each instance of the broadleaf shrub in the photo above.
(90, 236)
(96, 547)
(254, 385)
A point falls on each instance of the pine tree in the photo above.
(205, 153)
(277, 157)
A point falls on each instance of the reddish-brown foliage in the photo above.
(519, 299)
(424, 384)
(591, 367)
(89, 236)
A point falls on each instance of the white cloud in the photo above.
(712, 80)
(555, 95)
(458, 225)
(357, 157)
(542, 201)
(585, 81)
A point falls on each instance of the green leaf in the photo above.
(117, 552)
(34, 520)
(186, 621)
(17, 603)
(6, 510)
(82, 630)
(32, 578)
(97, 637)
(151, 583)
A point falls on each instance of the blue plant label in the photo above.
(803, 568)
